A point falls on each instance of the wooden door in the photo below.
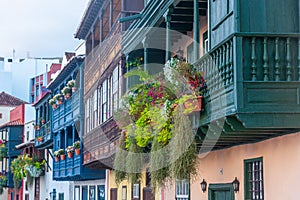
(147, 194)
(220, 192)
(113, 194)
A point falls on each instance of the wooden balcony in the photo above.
(66, 113)
(253, 89)
(100, 145)
(44, 136)
(71, 169)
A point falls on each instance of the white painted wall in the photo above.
(5, 110)
(47, 185)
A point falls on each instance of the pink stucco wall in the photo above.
(281, 168)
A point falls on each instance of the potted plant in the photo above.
(59, 98)
(66, 91)
(42, 120)
(52, 102)
(70, 150)
(76, 146)
(71, 84)
(61, 153)
(37, 126)
(40, 138)
(56, 155)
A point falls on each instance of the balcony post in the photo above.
(196, 25)
(66, 137)
(73, 133)
(101, 27)
(167, 17)
(145, 45)
(111, 12)
(81, 102)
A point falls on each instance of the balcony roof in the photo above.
(66, 71)
(90, 14)
(25, 144)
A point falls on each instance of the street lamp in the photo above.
(236, 184)
(203, 185)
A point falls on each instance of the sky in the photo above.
(44, 28)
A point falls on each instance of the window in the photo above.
(99, 101)
(109, 96)
(92, 193)
(136, 191)
(205, 42)
(87, 114)
(77, 193)
(124, 192)
(104, 101)
(60, 196)
(27, 135)
(182, 189)
(95, 109)
(0, 115)
(101, 192)
(254, 179)
(115, 88)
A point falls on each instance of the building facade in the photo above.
(248, 55)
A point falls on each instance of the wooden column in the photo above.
(145, 45)
(167, 17)
(196, 25)
(101, 27)
(73, 133)
(111, 13)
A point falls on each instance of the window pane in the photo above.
(254, 179)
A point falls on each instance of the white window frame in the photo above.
(182, 189)
(136, 190)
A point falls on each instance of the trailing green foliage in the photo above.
(183, 155)
(134, 163)
(159, 168)
(120, 160)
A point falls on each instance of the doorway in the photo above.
(220, 192)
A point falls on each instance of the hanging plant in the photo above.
(120, 160)
(134, 162)
(159, 169)
(183, 151)
(156, 119)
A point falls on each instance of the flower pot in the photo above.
(73, 89)
(60, 102)
(40, 139)
(67, 96)
(56, 159)
(43, 121)
(77, 152)
(54, 106)
(70, 154)
(193, 104)
(63, 156)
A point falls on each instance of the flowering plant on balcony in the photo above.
(158, 110)
(185, 77)
(70, 149)
(60, 152)
(52, 102)
(71, 84)
(2, 180)
(56, 154)
(66, 91)
(40, 138)
(59, 98)
(2, 142)
(25, 166)
(76, 145)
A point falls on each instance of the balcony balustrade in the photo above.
(67, 112)
(43, 136)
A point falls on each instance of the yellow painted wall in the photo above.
(281, 168)
(112, 184)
